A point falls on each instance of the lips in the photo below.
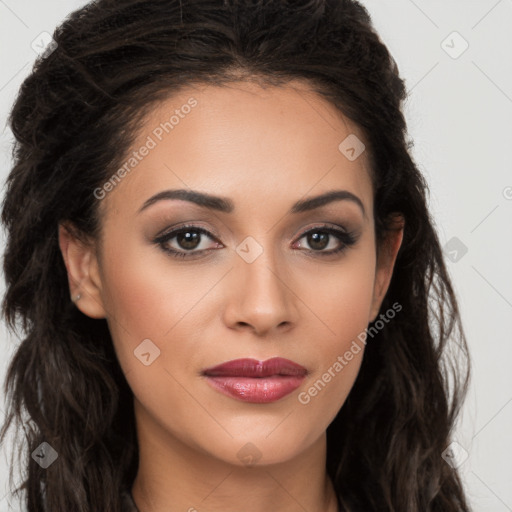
(256, 369)
(256, 381)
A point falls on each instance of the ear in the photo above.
(83, 272)
(386, 257)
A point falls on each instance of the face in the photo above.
(248, 267)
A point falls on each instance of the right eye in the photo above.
(187, 240)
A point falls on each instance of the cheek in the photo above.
(341, 294)
(150, 298)
(344, 302)
(338, 355)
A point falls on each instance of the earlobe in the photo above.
(386, 259)
(83, 275)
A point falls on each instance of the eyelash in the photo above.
(347, 238)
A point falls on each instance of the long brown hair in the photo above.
(74, 120)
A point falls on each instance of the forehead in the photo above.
(243, 141)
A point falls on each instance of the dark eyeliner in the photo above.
(346, 238)
(162, 239)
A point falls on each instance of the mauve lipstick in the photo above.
(256, 381)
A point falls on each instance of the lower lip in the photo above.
(256, 390)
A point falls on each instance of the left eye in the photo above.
(320, 239)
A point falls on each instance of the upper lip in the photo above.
(255, 368)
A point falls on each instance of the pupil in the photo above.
(188, 240)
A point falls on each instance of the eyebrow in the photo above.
(225, 205)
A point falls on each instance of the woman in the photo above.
(260, 311)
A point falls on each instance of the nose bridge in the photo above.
(262, 297)
(262, 276)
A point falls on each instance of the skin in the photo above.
(264, 149)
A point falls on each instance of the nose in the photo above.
(260, 296)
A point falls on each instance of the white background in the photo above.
(459, 113)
